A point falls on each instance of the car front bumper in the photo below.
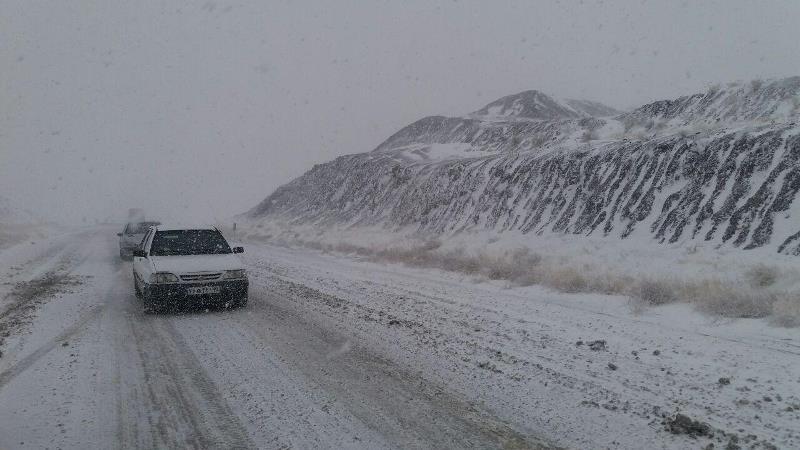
(175, 294)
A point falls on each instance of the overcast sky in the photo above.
(198, 110)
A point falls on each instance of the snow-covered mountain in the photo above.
(535, 105)
(721, 166)
(756, 101)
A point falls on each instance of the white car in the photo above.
(131, 238)
(188, 267)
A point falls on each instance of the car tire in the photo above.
(136, 290)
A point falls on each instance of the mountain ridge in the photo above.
(536, 105)
(721, 166)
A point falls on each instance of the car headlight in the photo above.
(233, 274)
(163, 277)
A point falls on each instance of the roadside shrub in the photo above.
(654, 292)
(609, 284)
(732, 300)
(566, 279)
(516, 265)
(431, 245)
(344, 247)
(761, 275)
(496, 268)
(526, 267)
(530, 277)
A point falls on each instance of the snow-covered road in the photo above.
(333, 352)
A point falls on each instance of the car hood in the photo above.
(197, 263)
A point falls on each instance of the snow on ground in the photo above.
(637, 257)
(525, 353)
(18, 224)
(337, 352)
(83, 367)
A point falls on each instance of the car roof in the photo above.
(178, 227)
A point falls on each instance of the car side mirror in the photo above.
(138, 253)
(238, 249)
(119, 234)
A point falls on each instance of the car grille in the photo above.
(206, 276)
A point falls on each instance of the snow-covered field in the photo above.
(339, 352)
(18, 224)
(721, 281)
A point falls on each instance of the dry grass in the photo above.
(566, 280)
(755, 297)
(517, 266)
(655, 292)
(761, 276)
(731, 300)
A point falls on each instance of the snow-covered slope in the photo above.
(535, 105)
(752, 102)
(722, 166)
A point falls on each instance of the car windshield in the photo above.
(189, 242)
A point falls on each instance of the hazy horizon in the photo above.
(198, 111)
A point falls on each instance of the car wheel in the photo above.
(136, 289)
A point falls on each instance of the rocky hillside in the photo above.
(720, 166)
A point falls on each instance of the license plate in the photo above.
(200, 290)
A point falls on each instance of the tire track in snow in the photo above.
(407, 409)
(62, 259)
(31, 359)
(62, 262)
(182, 406)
